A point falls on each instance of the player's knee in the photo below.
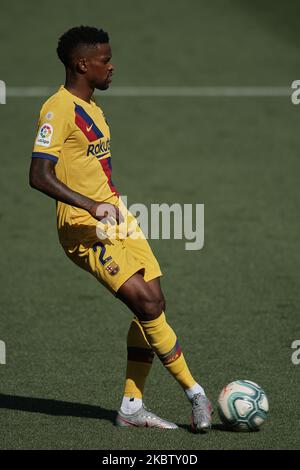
(151, 308)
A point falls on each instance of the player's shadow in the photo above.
(221, 427)
(56, 407)
(214, 427)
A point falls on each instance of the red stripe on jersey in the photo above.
(107, 170)
(87, 130)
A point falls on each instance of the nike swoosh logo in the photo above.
(89, 128)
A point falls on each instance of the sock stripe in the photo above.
(140, 354)
(172, 355)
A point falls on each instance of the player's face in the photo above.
(99, 67)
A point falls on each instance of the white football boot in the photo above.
(143, 418)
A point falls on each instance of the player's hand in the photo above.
(106, 212)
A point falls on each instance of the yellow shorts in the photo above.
(120, 252)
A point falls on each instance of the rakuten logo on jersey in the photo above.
(97, 150)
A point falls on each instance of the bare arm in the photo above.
(42, 177)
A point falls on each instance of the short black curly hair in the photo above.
(74, 37)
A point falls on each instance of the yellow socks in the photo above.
(164, 342)
(139, 360)
(144, 338)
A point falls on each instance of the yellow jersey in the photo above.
(75, 135)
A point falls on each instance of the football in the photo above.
(243, 405)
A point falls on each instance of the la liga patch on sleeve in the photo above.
(45, 134)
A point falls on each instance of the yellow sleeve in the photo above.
(53, 129)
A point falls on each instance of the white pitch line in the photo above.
(165, 91)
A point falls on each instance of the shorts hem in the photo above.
(152, 275)
(147, 277)
(124, 279)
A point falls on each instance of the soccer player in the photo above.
(71, 162)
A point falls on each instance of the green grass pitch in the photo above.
(234, 304)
